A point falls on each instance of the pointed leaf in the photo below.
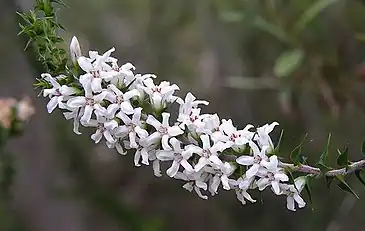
(344, 186)
(272, 29)
(342, 159)
(323, 160)
(288, 62)
(363, 147)
(295, 154)
(329, 180)
(277, 148)
(313, 11)
(360, 174)
(308, 188)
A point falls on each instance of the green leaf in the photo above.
(288, 62)
(329, 180)
(342, 159)
(323, 160)
(360, 174)
(272, 29)
(312, 12)
(344, 186)
(295, 154)
(363, 147)
(308, 188)
(277, 148)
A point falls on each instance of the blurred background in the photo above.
(296, 62)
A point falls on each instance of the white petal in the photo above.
(87, 113)
(154, 122)
(201, 163)
(85, 64)
(174, 131)
(225, 183)
(299, 200)
(165, 155)
(275, 187)
(156, 168)
(108, 136)
(137, 157)
(216, 181)
(187, 166)
(78, 101)
(263, 183)
(252, 171)
(171, 172)
(206, 141)
(97, 136)
(144, 155)
(290, 203)
(127, 108)
(52, 104)
(281, 177)
(65, 90)
(120, 149)
(216, 160)
(165, 142)
(132, 140)
(165, 119)
(96, 85)
(245, 160)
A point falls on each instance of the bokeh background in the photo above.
(298, 62)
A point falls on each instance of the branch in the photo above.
(316, 171)
(358, 165)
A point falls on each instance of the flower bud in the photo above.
(75, 50)
(25, 109)
(6, 106)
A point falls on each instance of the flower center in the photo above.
(156, 89)
(90, 101)
(257, 159)
(119, 99)
(178, 157)
(206, 153)
(57, 92)
(163, 130)
(96, 74)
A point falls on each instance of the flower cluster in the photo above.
(12, 111)
(129, 112)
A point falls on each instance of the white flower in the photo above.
(263, 137)
(57, 93)
(75, 50)
(220, 174)
(117, 145)
(121, 76)
(193, 120)
(94, 70)
(120, 100)
(178, 157)
(241, 185)
(144, 153)
(196, 182)
(208, 154)
(234, 136)
(159, 94)
(256, 160)
(74, 114)
(271, 175)
(132, 127)
(293, 193)
(163, 130)
(188, 104)
(89, 101)
(104, 127)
